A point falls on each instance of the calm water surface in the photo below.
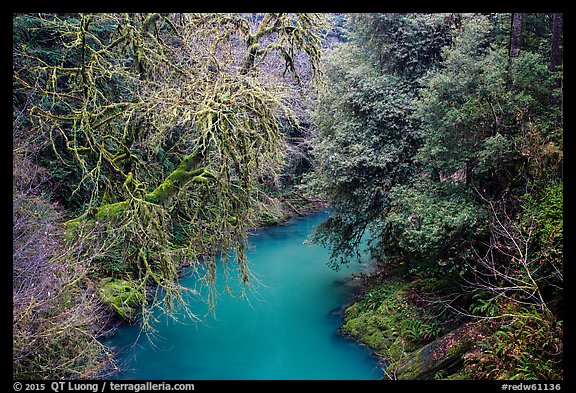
(286, 329)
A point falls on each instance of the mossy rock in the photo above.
(387, 320)
(376, 330)
(121, 295)
(365, 329)
(444, 356)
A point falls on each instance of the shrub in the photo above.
(57, 318)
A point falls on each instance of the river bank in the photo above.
(416, 339)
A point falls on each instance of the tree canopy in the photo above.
(437, 136)
(160, 133)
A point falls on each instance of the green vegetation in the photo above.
(527, 347)
(162, 137)
(57, 317)
(439, 142)
(121, 295)
(146, 142)
(390, 320)
(367, 131)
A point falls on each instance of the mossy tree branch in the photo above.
(168, 139)
(185, 173)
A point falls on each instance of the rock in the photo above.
(121, 296)
(444, 355)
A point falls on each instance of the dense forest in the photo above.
(146, 143)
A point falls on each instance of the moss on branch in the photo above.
(111, 210)
(182, 175)
(185, 173)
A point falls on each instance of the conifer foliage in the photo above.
(440, 139)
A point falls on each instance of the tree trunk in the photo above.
(515, 36)
(444, 355)
(556, 53)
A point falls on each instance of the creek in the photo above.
(286, 327)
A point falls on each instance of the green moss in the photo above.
(388, 322)
(352, 311)
(366, 329)
(112, 210)
(406, 334)
(179, 177)
(106, 198)
(149, 21)
(267, 219)
(162, 192)
(72, 225)
(120, 295)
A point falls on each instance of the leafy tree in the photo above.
(450, 160)
(164, 127)
(363, 146)
(430, 226)
(483, 118)
(367, 132)
(407, 45)
(472, 123)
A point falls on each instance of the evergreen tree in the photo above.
(451, 160)
(367, 132)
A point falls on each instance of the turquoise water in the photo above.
(285, 329)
